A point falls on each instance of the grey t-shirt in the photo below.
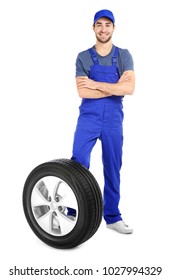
(84, 61)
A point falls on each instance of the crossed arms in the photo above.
(88, 88)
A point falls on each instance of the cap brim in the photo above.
(111, 19)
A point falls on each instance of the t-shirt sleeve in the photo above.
(126, 61)
(80, 70)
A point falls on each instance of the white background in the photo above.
(38, 111)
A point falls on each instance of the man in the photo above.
(104, 75)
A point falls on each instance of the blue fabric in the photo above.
(102, 119)
(104, 13)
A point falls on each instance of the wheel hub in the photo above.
(53, 205)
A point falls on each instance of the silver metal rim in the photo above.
(50, 199)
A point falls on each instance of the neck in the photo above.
(103, 48)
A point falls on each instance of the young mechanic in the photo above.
(104, 75)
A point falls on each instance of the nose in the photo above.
(103, 29)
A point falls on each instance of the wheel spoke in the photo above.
(54, 223)
(43, 191)
(66, 223)
(58, 191)
(69, 201)
(41, 210)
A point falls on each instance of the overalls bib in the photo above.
(102, 119)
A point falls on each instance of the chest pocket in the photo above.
(102, 73)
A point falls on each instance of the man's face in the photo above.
(103, 29)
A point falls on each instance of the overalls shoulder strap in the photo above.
(94, 56)
(95, 59)
(114, 58)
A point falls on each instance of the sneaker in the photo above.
(120, 227)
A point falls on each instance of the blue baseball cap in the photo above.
(104, 13)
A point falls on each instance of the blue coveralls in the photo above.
(102, 119)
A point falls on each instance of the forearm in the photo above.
(102, 90)
(92, 93)
(88, 88)
(118, 89)
(124, 86)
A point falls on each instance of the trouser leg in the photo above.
(84, 142)
(112, 141)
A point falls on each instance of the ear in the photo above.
(93, 26)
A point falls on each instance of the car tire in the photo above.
(51, 192)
